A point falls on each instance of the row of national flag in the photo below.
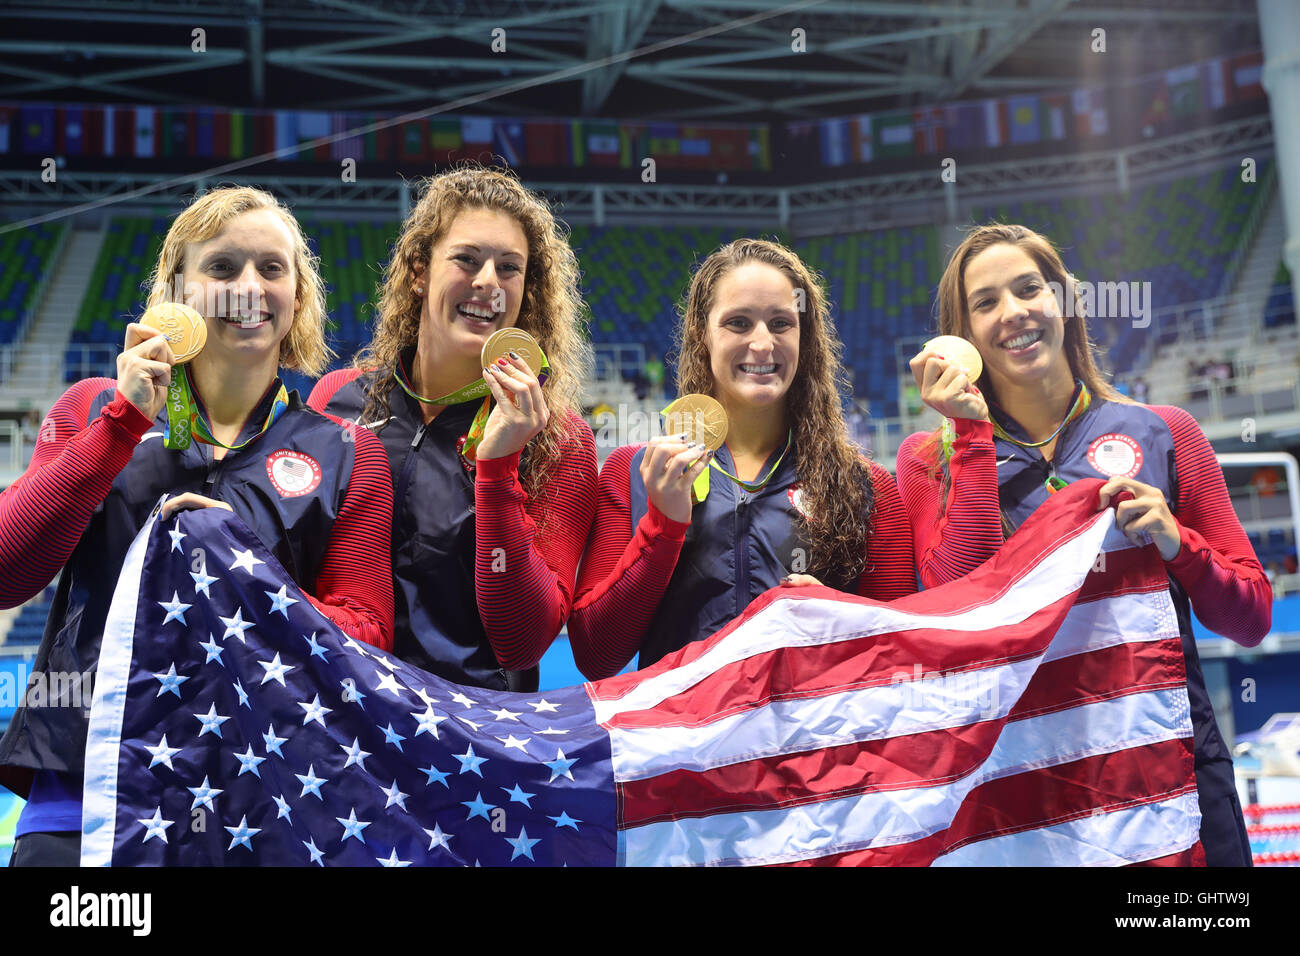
(1143, 106)
(312, 135)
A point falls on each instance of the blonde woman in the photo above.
(790, 499)
(1042, 415)
(494, 475)
(239, 258)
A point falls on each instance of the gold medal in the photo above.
(186, 330)
(959, 352)
(700, 418)
(503, 341)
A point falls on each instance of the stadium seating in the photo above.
(25, 256)
(1280, 309)
(29, 625)
(1179, 235)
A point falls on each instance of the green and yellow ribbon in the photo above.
(185, 421)
(478, 388)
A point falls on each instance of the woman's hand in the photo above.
(669, 467)
(144, 369)
(1143, 518)
(947, 388)
(189, 501)
(799, 581)
(520, 412)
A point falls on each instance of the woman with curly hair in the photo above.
(788, 493)
(494, 476)
(1040, 415)
(238, 257)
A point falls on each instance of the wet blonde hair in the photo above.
(954, 319)
(303, 349)
(551, 311)
(832, 474)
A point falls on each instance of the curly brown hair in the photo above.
(304, 348)
(552, 310)
(832, 471)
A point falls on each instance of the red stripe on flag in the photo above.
(1127, 571)
(788, 780)
(1057, 794)
(889, 658)
(853, 664)
(1102, 674)
(916, 853)
(1193, 856)
(1043, 533)
(896, 762)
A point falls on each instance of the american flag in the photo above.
(1033, 713)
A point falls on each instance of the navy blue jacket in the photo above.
(437, 624)
(1108, 439)
(265, 483)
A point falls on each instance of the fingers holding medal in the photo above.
(696, 427)
(514, 370)
(946, 370)
(144, 369)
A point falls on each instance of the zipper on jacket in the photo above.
(742, 552)
(405, 477)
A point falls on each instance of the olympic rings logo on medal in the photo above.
(292, 473)
(1115, 456)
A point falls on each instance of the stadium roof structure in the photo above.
(678, 59)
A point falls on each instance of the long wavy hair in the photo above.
(304, 348)
(832, 473)
(551, 311)
(954, 319)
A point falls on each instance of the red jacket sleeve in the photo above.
(624, 575)
(44, 513)
(354, 587)
(523, 576)
(891, 571)
(330, 383)
(1215, 565)
(969, 531)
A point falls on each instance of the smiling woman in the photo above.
(494, 475)
(1043, 415)
(319, 502)
(684, 541)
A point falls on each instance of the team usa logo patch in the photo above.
(1116, 456)
(797, 500)
(292, 473)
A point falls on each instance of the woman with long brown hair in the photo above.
(789, 500)
(494, 476)
(319, 502)
(1041, 415)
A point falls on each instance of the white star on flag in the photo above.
(245, 560)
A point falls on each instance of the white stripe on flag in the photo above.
(104, 737)
(885, 710)
(813, 622)
(1109, 622)
(892, 817)
(1147, 831)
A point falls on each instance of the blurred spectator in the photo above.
(1140, 391)
(654, 373)
(1266, 480)
(1197, 387)
(857, 423)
